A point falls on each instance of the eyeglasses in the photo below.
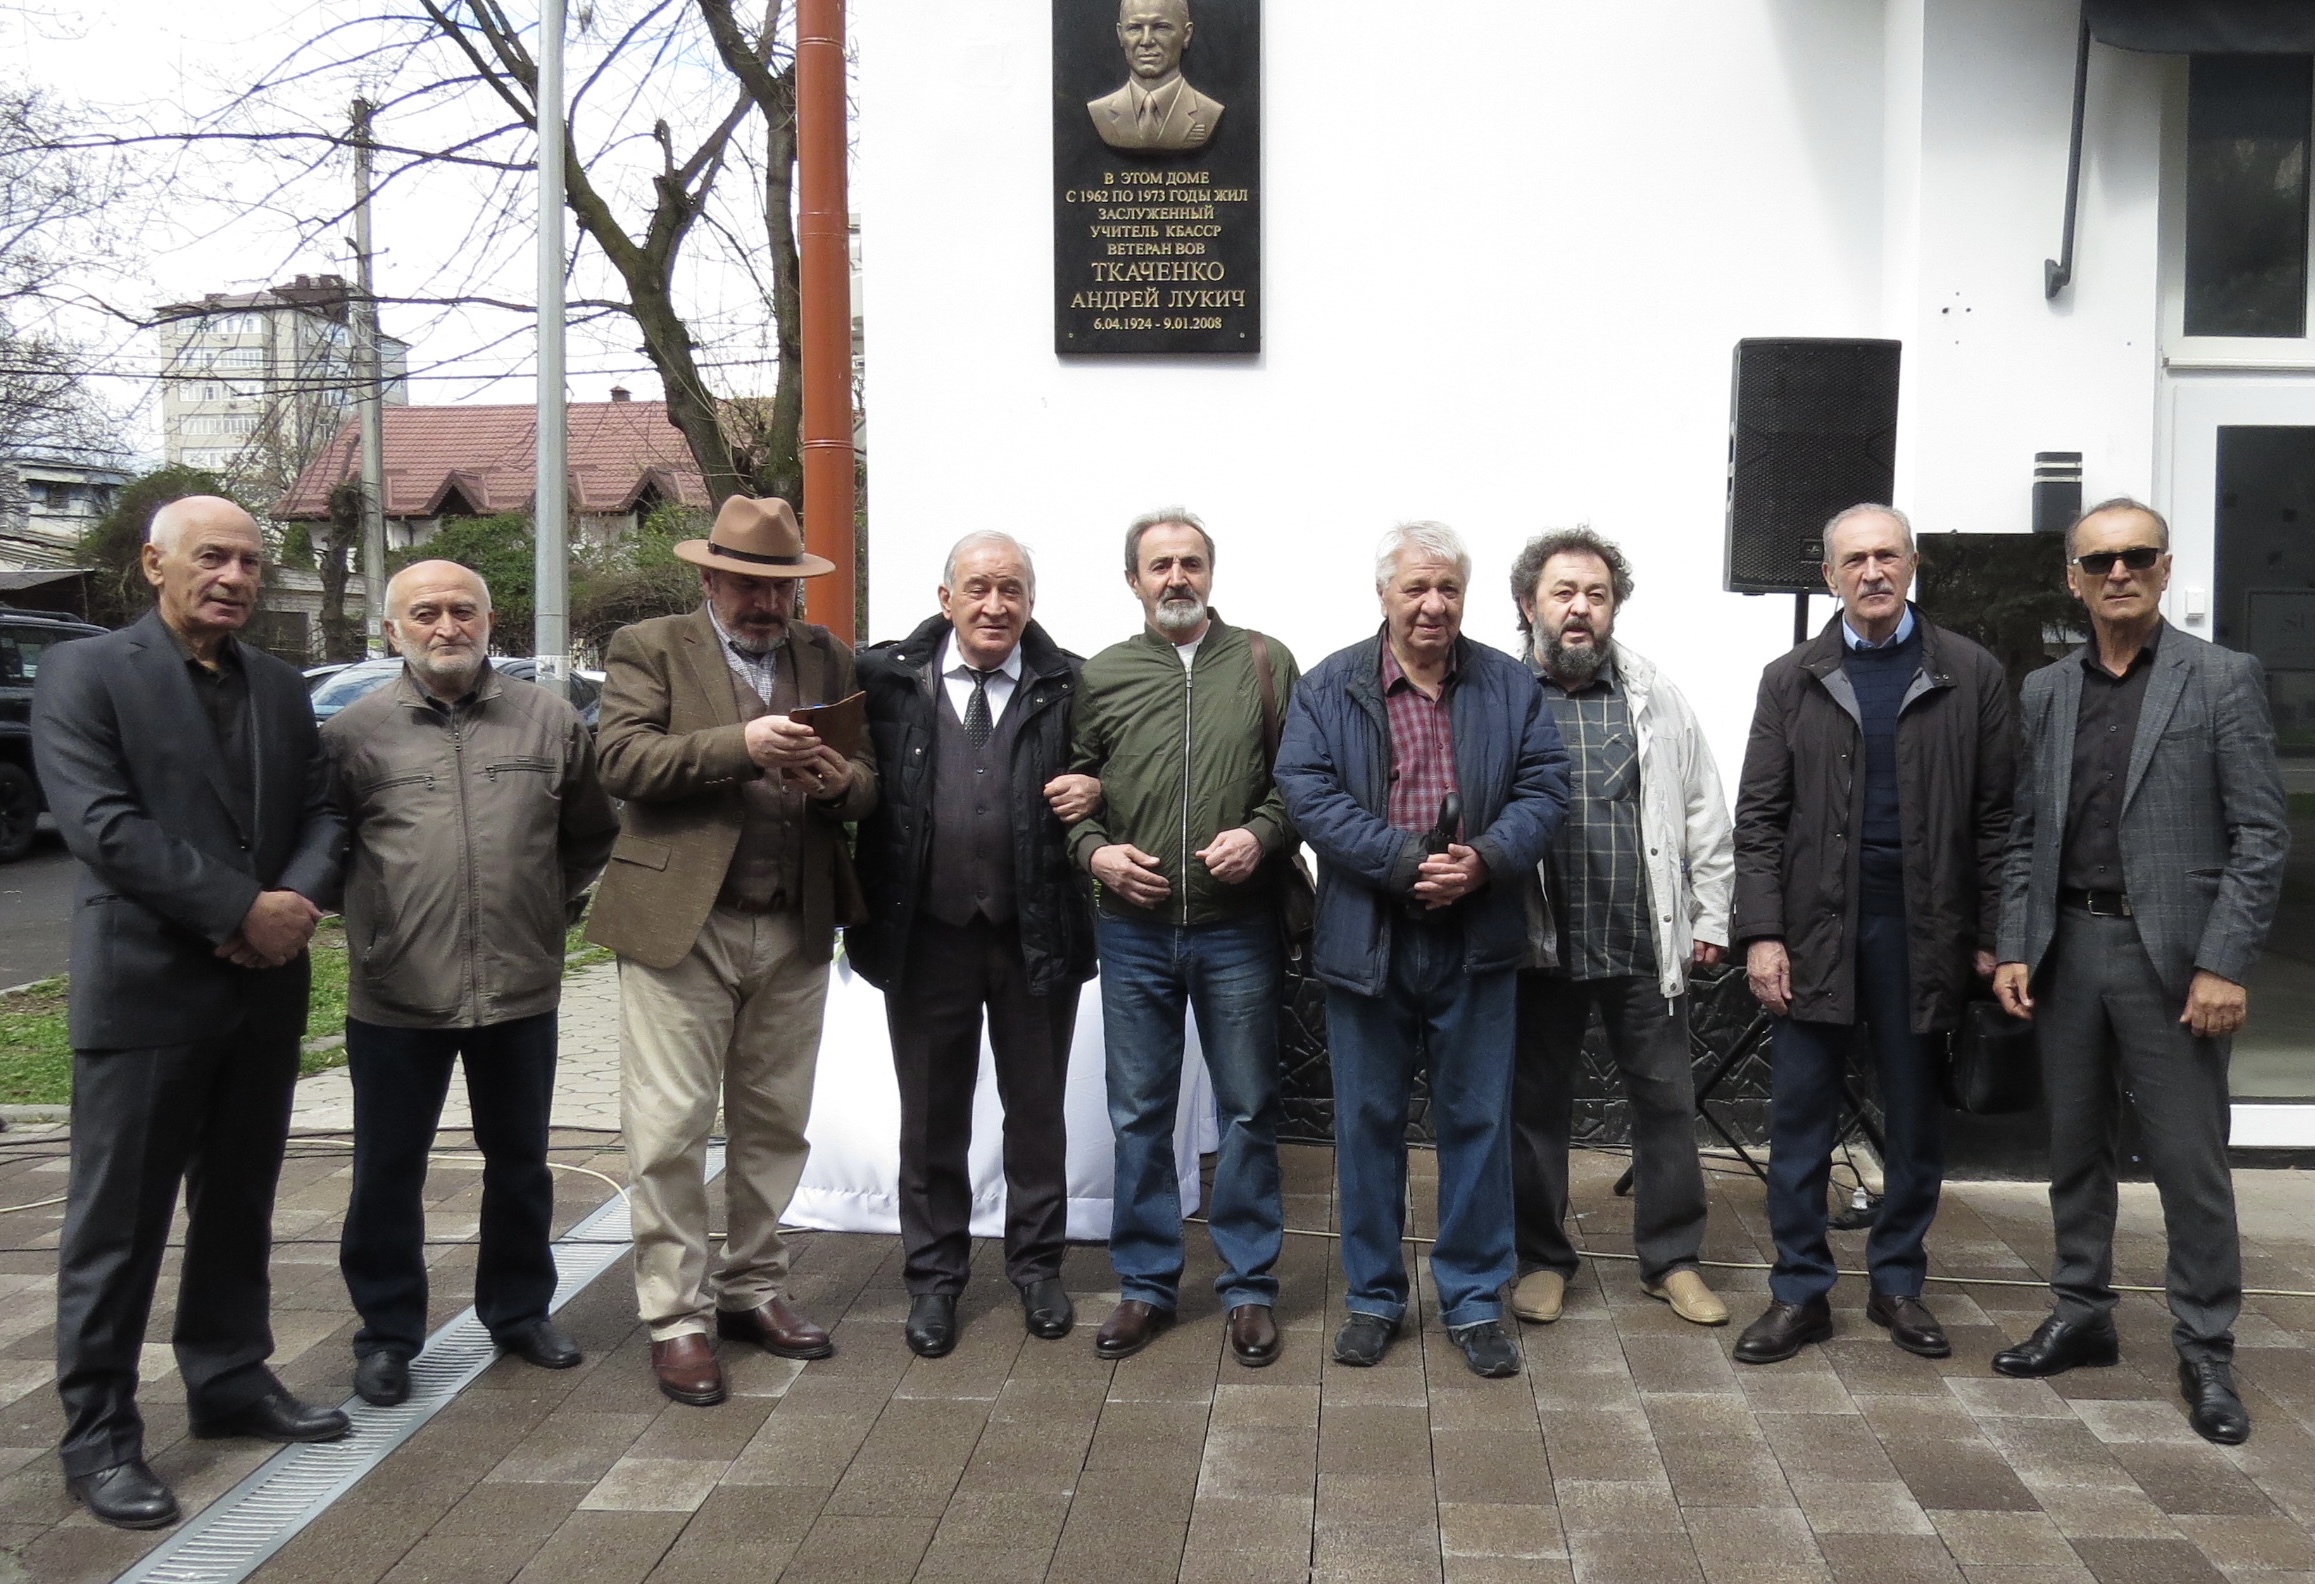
(2100, 562)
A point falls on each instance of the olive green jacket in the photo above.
(1181, 757)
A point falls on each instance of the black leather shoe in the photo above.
(545, 1344)
(1783, 1329)
(1910, 1324)
(276, 1416)
(1364, 1339)
(1486, 1349)
(127, 1496)
(932, 1324)
(1253, 1334)
(1131, 1326)
(2058, 1346)
(1046, 1308)
(382, 1379)
(2214, 1410)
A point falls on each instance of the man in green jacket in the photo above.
(1185, 851)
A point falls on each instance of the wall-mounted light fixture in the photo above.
(2057, 490)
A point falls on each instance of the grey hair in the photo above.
(1563, 541)
(988, 536)
(2120, 503)
(1164, 516)
(1868, 509)
(1432, 540)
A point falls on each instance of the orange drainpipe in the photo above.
(825, 248)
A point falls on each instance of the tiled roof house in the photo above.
(625, 459)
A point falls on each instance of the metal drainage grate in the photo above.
(230, 1538)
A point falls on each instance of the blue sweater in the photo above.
(1881, 677)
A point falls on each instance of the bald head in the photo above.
(438, 617)
(440, 576)
(173, 523)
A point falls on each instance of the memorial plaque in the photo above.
(1157, 169)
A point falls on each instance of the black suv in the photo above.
(25, 638)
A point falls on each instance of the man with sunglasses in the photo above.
(2145, 862)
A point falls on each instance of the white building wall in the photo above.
(1508, 251)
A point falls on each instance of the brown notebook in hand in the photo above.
(842, 725)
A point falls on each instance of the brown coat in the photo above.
(671, 744)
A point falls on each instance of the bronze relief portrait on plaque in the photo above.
(1157, 108)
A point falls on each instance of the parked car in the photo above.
(25, 637)
(344, 684)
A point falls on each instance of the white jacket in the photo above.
(1683, 821)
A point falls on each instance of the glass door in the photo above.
(2243, 509)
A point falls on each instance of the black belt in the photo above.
(2098, 904)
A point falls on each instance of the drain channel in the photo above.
(233, 1536)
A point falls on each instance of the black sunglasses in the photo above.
(2100, 562)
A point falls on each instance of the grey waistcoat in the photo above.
(971, 867)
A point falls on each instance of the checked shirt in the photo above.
(1422, 748)
(1599, 882)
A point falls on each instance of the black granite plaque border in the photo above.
(1158, 251)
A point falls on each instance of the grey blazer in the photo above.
(2203, 832)
(168, 866)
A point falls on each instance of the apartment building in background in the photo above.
(254, 385)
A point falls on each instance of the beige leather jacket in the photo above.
(475, 833)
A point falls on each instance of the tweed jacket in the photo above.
(672, 745)
(2203, 831)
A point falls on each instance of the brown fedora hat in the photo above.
(755, 538)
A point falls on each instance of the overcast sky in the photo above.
(228, 225)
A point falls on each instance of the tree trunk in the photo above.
(342, 639)
(780, 471)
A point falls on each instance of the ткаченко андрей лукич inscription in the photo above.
(1157, 234)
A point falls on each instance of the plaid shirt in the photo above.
(1422, 748)
(1597, 867)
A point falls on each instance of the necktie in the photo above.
(977, 722)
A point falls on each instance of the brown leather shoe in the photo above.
(777, 1329)
(1131, 1326)
(1253, 1335)
(687, 1370)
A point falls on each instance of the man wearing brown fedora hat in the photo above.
(722, 899)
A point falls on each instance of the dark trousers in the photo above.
(1805, 1104)
(2106, 1029)
(401, 1076)
(952, 974)
(1648, 1037)
(214, 1114)
(1462, 1026)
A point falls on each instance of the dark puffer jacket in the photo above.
(1053, 897)
(1801, 808)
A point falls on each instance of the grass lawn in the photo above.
(36, 1056)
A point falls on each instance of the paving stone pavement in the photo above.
(1631, 1449)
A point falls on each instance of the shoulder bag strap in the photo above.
(1261, 648)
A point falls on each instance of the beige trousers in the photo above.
(738, 1018)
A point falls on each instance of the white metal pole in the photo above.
(551, 574)
(369, 397)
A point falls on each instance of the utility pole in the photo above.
(369, 395)
(551, 642)
(825, 254)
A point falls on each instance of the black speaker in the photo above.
(1812, 429)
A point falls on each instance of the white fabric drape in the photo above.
(851, 1180)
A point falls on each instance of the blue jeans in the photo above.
(1227, 975)
(1464, 1024)
(1805, 1084)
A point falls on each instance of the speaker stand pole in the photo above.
(1800, 618)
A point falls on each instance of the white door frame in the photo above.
(2196, 405)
